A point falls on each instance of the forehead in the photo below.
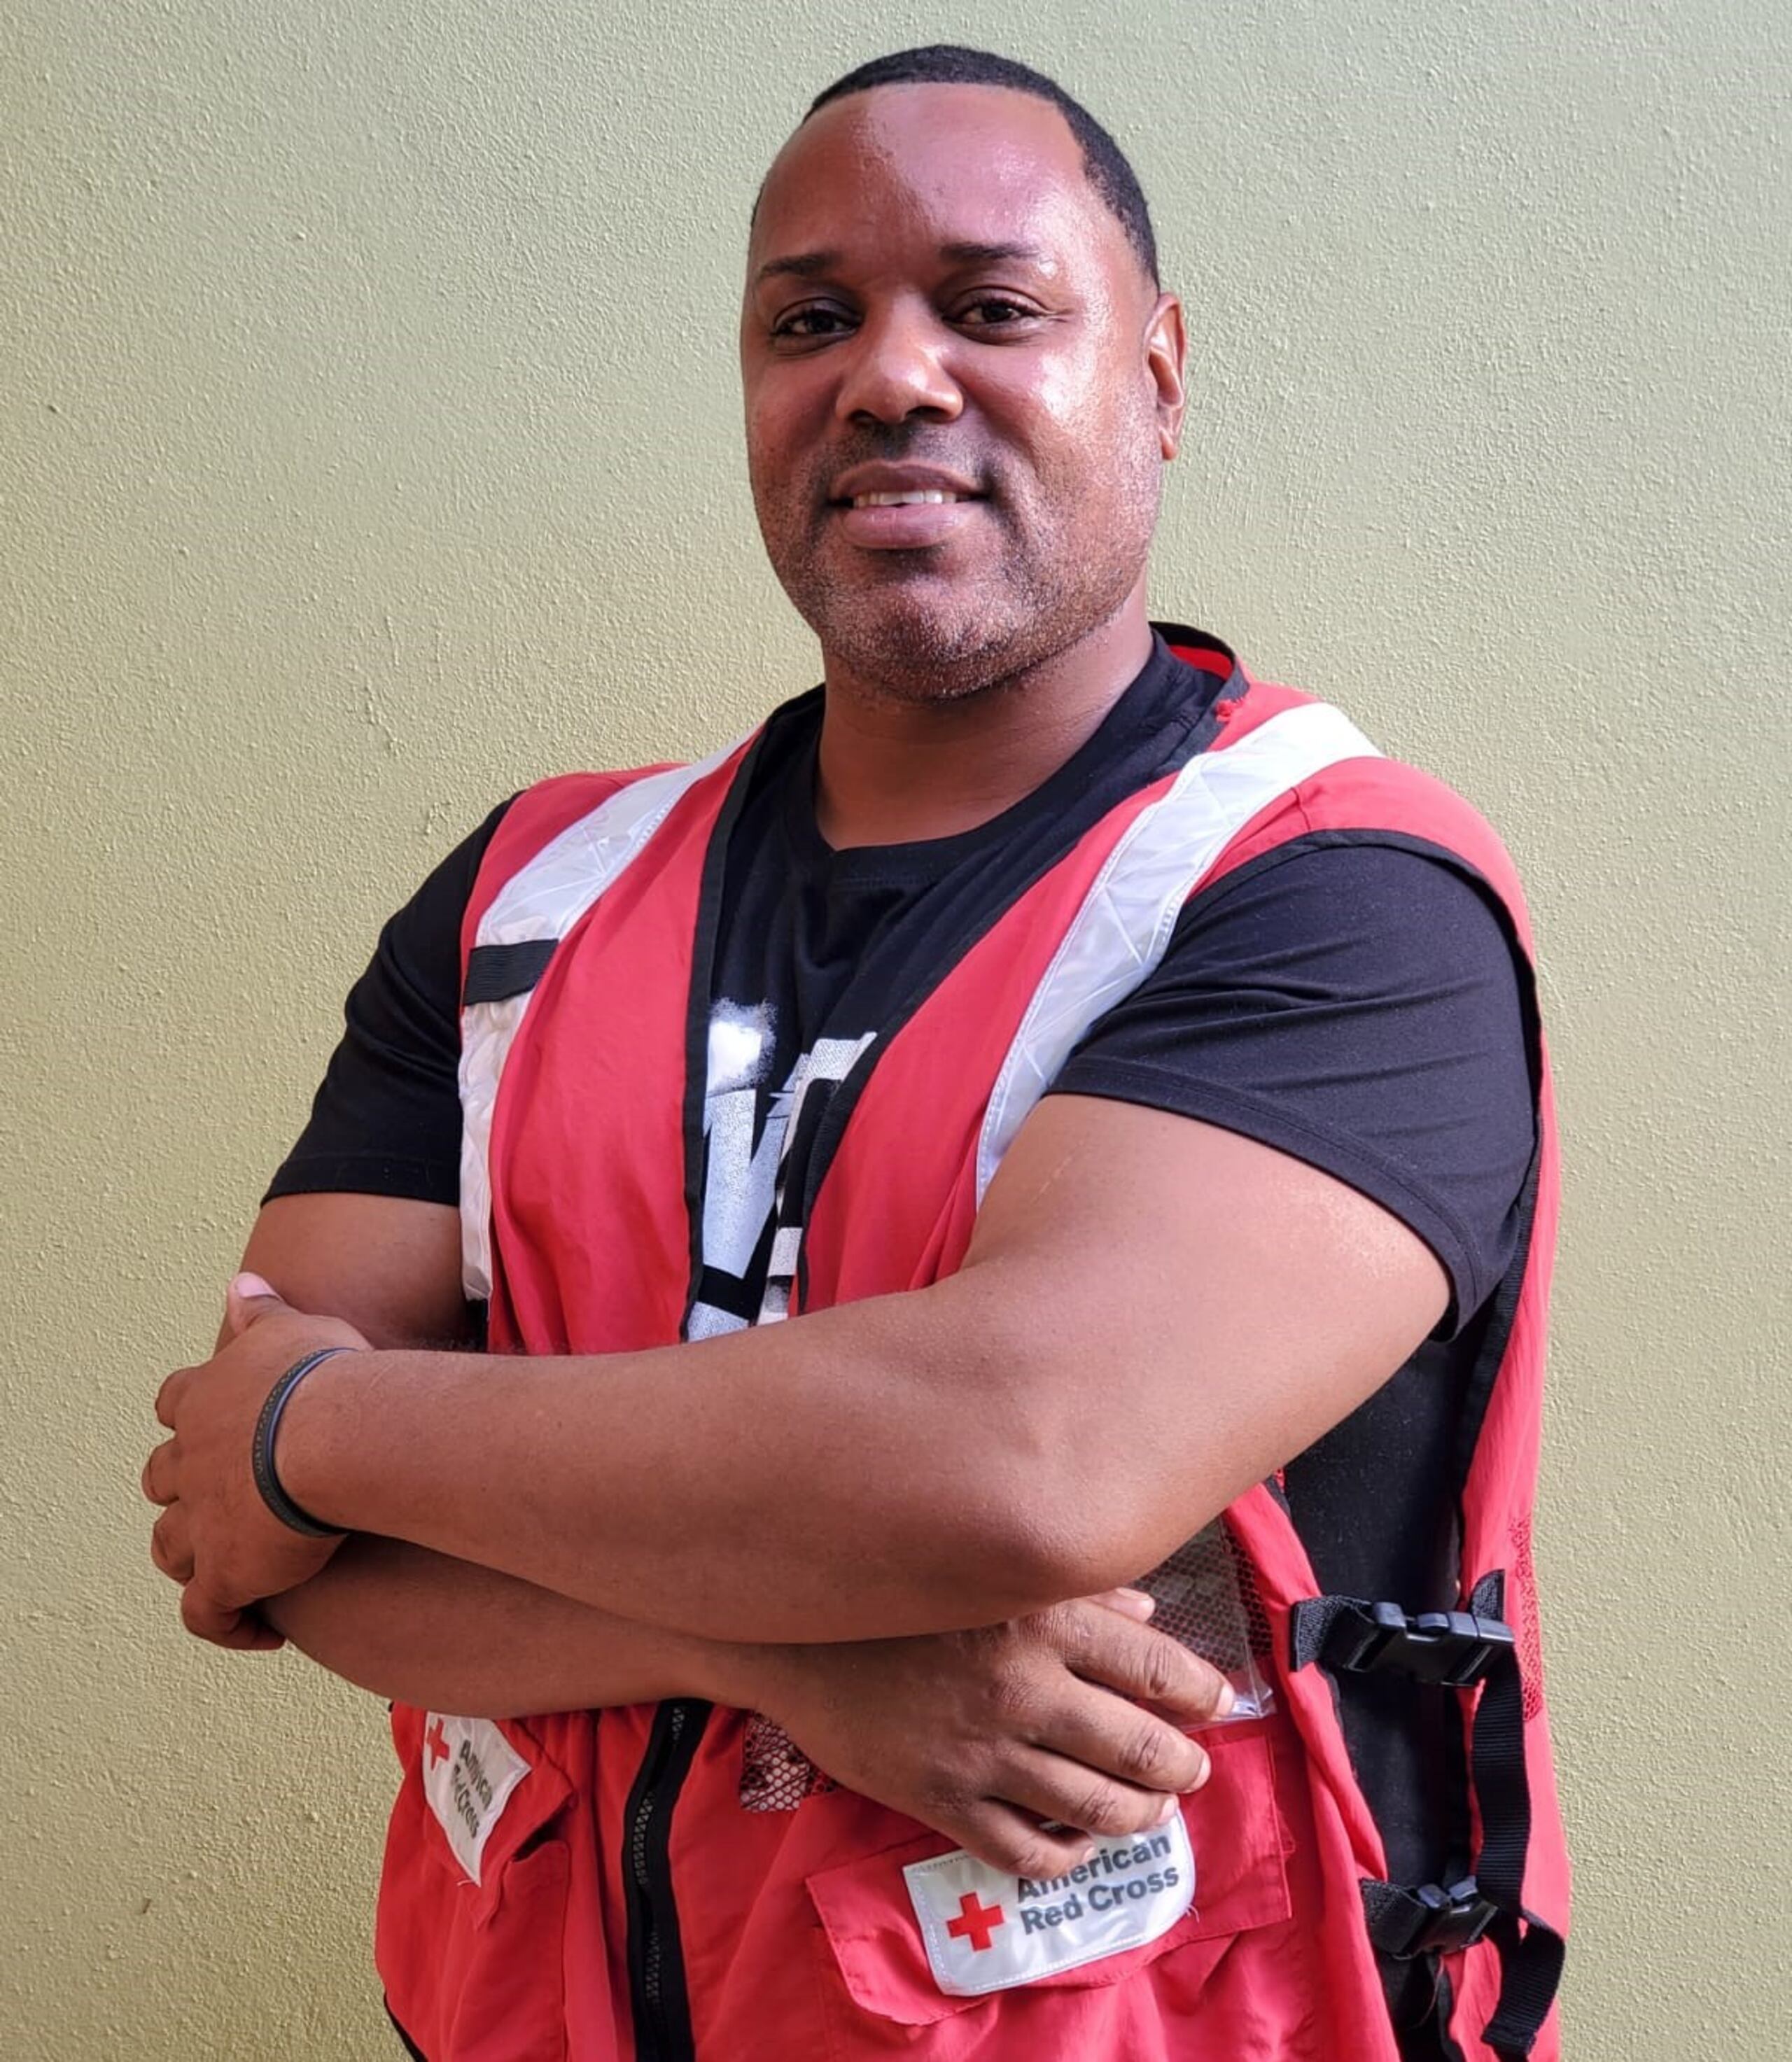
(954, 164)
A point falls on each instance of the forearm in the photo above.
(1152, 1317)
(852, 1472)
(407, 1623)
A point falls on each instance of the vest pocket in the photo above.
(884, 1964)
(473, 1963)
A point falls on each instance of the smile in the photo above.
(906, 519)
(917, 498)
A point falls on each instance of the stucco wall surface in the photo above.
(369, 446)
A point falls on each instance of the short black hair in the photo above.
(954, 64)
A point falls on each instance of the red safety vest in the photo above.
(661, 1881)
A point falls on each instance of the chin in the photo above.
(918, 654)
(922, 639)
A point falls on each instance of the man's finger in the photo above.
(1135, 1604)
(1070, 1794)
(171, 1545)
(1148, 1665)
(250, 1296)
(167, 1396)
(1111, 1737)
(1012, 1841)
(206, 1618)
(158, 1474)
(251, 1634)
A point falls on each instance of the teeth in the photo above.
(915, 500)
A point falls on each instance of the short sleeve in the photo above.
(1359, 1006)
(386, 1121)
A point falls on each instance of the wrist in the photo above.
(274, 1493)
(741, 1675)
(316, 1440)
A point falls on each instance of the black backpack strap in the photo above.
(1350, 1635)
(1531, 1953)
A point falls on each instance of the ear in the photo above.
(1166, 358)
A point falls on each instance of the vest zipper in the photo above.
(657, 1990)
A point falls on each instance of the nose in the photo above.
(897, 366)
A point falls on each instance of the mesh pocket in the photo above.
(776, 1775)
(1521, 1610)
(1207, 1600)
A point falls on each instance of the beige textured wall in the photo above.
(370, 446)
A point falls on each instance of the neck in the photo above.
(892, 771)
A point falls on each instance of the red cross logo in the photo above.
(436, 1741)
(976, 1921)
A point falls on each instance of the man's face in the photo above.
(938, 303)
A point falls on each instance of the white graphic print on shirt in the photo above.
(744, 1182)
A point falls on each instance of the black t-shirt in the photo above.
(1356, 1005)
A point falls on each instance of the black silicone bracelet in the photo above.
(261, 1449)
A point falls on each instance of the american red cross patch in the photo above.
(984, 1930)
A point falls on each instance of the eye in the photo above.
(812, 322)
(994, 312)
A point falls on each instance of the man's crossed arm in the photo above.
(1154, 1314)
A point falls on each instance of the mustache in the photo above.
(894, 444)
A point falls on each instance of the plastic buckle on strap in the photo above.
(1454, 1648)
(1428, 1920)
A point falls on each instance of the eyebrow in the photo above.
(808, 265)
(813, 264)
(991, 254)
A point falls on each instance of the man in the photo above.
(1048, 1109)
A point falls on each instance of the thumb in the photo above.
(1136, 1604)
(250, 1298)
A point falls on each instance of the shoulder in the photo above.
(530, 823)
(1356, 796)
(1359, 1006)
(536, 817)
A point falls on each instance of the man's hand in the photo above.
(980, 1736)
(1068, 1717)
(215, 1536)
(1071, 1715)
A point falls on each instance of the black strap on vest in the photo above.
(1457, 1649)
(497, 973)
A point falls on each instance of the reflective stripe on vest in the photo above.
(1117, 939)
(543, 902)
(1119, 936)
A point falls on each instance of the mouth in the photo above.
(914, 498)
(902, 484)
(903, 505)
(919, 519)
